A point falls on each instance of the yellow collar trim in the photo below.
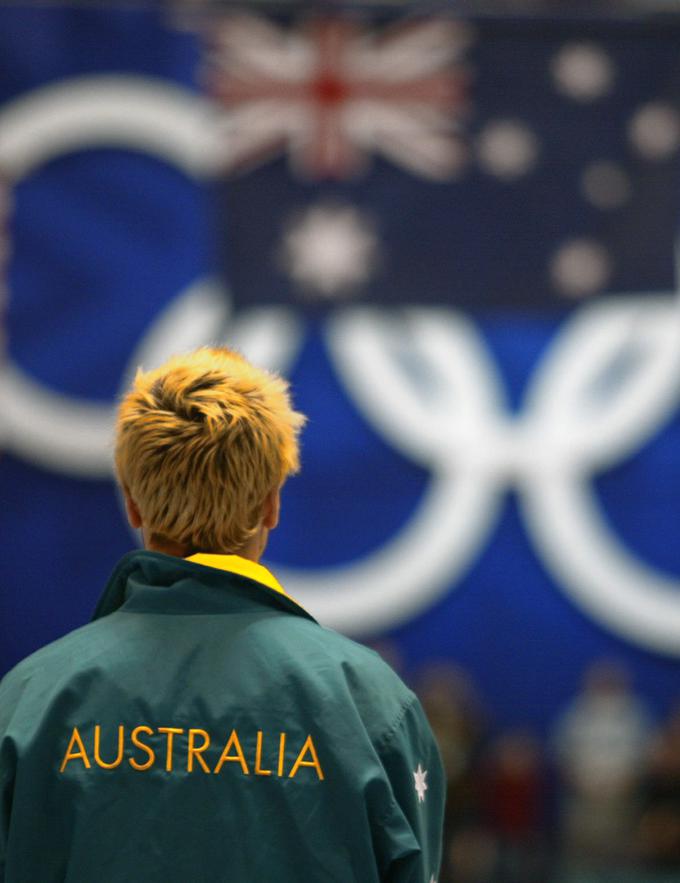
(242, 567)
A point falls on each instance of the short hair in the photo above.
(200, 442)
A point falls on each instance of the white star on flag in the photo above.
(331, 249)
(420, 784)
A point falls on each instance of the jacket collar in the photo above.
(201, 583)
(242, 566)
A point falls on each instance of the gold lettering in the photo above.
(282, 751)
(97, 745)
(196, 752)
(314, 762)
(258, 757)
(171, 732)
(198, 744)
(134, 738)
(73, 755)
(238, 757)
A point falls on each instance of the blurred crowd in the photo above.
(595, 801)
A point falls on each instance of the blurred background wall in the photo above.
(454, 228)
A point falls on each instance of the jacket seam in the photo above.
(389, 734)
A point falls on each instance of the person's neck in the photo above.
(252, 550)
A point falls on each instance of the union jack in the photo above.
(330, 93)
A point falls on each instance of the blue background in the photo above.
(103, 239)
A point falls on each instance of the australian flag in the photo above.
(490, 163)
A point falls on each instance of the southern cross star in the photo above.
(420, 784)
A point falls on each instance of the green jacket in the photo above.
(205, 728)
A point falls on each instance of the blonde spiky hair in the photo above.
(200, 443)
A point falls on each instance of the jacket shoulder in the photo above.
(327, 663)
(48, 665)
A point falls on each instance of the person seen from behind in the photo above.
(204, 726)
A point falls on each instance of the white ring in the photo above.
(40, 424)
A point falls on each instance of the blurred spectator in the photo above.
(601, 743)
(458, 722)
(515, 806)
(658, 835)
(471, 856)
(456, 718)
